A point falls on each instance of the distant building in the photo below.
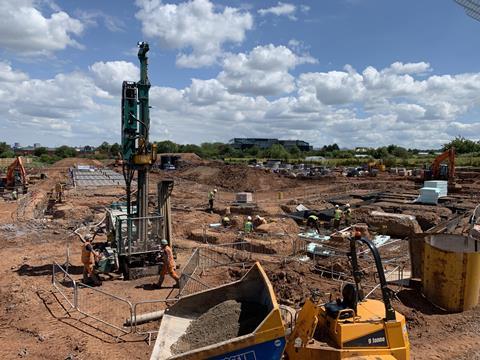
(265, 143)
(314, 158)
(30, 150)
(362, 150)
(87, 149)
(16, 145)
(36, 145)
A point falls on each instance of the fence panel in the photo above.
(106, 308)
(143, 310)
(189, 269)
(225, 254)
(65, 284)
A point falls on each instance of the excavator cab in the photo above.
(350, 327)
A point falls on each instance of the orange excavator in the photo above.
(441, 171)
(16, 177)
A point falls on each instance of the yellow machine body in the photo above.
(363, 335)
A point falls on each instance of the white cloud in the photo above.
(281, 9)
(94, 17)
(25, 30)
(409, 68)
(195, 27)
(263, 71)
(110, 75)
(52, 110)
(9, 75)
(373, 107)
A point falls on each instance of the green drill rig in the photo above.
(135, 232)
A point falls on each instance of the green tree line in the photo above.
(218, 150)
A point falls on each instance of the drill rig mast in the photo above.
(137, 240)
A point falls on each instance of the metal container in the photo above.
(451, 271)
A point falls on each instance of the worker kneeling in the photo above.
(226, 221)
(168, 265)
(313, 223)
(89, 256)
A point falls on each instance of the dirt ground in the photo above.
(34, 322)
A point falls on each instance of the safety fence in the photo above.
(65, 285)
(104, 307)
(118, 313)
(210, 256)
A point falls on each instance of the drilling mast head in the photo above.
(142, 49)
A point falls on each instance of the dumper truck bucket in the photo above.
(264, 338)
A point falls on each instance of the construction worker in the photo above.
(14, 194)
(259, 221)
(59, 192)
(211, 198)
(89, 256)
(348, 215)
(248, 227)
(312, 222)
(226, 221)
(337, 216)
(168, 265)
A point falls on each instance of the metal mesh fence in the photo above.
(65, 284)
(189, 279)
(104, 307)
(147, 316)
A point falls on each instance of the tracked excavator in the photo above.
(16, 177)
(441, 171)
(351, 327)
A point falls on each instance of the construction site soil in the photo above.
(222, 322)
(35, 232)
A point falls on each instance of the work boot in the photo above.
(177, 285)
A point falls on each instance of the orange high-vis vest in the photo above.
(87, 256)
(168, 256)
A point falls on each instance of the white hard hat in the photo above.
(214, 190)
(164, 242)
(336, 206)
(348, 205)
(249, 218)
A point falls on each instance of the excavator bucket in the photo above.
(238, 320)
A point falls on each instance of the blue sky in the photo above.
(355, 72)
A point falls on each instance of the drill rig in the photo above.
(136, 233)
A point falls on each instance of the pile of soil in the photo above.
(397, 225)
(224, 321)
(237, 178)
(426, 219)
(71, 162)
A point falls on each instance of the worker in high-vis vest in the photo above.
(248, 227)
(348, 215)
(168, 265)
(226, 221)
(211, 199)
(312, 222)
(337, 217)
(89, 256)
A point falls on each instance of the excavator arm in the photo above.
(450, 155)
(16, 167)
